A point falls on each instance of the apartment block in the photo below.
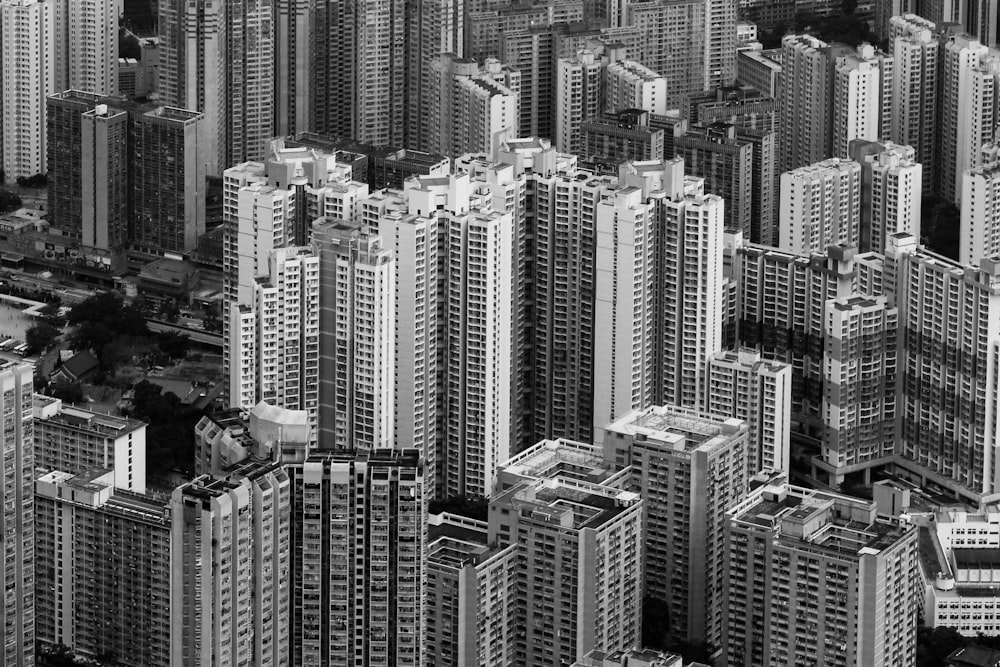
(75, 440)
(19, 559)
(86, 46)
(805, 102)
(862, 98)
(817, 577)
(103, 577)
(472, 608)
(676, 44)
(613, 138)
(360, 553)
(580, 567)
(980, 230)
(916, 51)
(356, 332)
(470, 105)
(743, 385)
(820, 206)
(632, 658)
(690, 468)
(759, 69)
(714, 153)
(891, 192)
(230, 554)
(777, 289)
(945, 401)
(28, 52)
(859, 385)
(580, 93)
(632, 85)
(743, 106)
(969, 73)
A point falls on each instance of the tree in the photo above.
(66, 391)
(102, 319)
(173, 344)
(41, 336)
(655, 623)
(935, 644)
(170, 434)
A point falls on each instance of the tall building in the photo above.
(356, 334)
(820, 207)
(294, 66)
(103, 575)
(437, 28)
(471, 618)
(859, 385)
(86, 46)
(744, 385)
(469, 105)
(969, 73)
(690, 468)
(360, 554)
(75, 440)
(274, 341)
(759, 69)
(805, 102)
(631, 85)
(980, 231)
(916, 53)
(19, 559)
(580, 567)
(816, 577)
(230, 558)
(690, 295)
(104, 188)
(169, 182)
(862, 98)
(891, 192)
(676, 44)
(726, 163)
(742, 106)
(613, 138)
(27, 51)
(579, 97)
(946, 433)
(218, 58)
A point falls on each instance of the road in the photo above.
(195, 335)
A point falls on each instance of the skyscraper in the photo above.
(726, 163)
(862, 98)
(980, 231)
(356, 333)
(690, 468)
(916, 52)
(820, 206)
(294, 65)
(17, 422)
(579, 97)
(816, 577)
(86, 46)
(27, 51)
(804, 89)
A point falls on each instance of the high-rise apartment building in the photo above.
(230, 558)
(676, 45)
(274, 342)
(859, 384)
(86, 46)
(690, 468)
(980, 231)
(169, 182)
(103, 575)
(742, 106)
(472, 607)
(580, 569)
(744, 385)
(469, 105)
(631, 85)
(613, 138)
(815, 577)
(75, 440)
(891, 191)
(437, 28)
(27, 54)
(862, 98)
(777, 289)
(356, 333)
(19, 553)
(105, 193)
(820, 206)
(360, 554)
(294, 66)
(714, 153)
(945, 400)
(690, 295)
(579, 97)
(760, 69)
(916, 52)
(218, 58)
(805, 102)
(969, 72)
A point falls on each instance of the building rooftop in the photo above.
(973, 656)
(677, 428)
(568, 503)
(82, 419)
(563, 458)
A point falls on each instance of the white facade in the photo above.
(896, 182)
(968, 85)
(746, 386)
(916, 51)
(631, 85)
(805, 101)
(27, 77)
(980, 231)
(820, 206)
(862, 97)
(579, 87)
(357, 332)
(87, 46)
(691, 294)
